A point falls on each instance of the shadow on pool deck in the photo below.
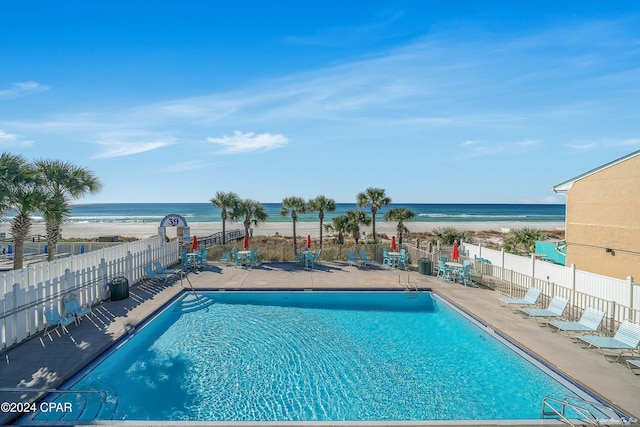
(33, 365)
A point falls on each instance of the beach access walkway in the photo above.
(33, 365)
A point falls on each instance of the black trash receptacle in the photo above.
(119, 288)
(424, 266)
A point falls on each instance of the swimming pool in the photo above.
(314, 356)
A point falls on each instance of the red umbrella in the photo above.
(194, 244)
(393, 243)
(454, 251)
(245, 243)
(308, 241)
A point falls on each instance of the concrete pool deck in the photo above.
(34, 365)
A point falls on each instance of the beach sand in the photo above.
(141, 230)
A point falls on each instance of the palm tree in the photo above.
(522, 240)
(62, 181)
(339, 224)
(225, 201)
(376, 198)
(251, 212)
(295, 206)
(22, 192)
(321, 204)
(354, 219)
(400, 215)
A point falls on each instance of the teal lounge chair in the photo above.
(55, 321)
(152, 276)
(588, 324)
(161, 270)
(364, 259)
(351, 257)
(556, 308)
(530, 299)
(74, 308)
(625, 341)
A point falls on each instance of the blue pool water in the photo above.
(326, 356)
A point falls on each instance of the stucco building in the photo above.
(603, 218)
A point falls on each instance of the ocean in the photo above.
(425, 212)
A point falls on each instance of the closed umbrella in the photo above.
(308, 241)
(245, 243)
(394, 247)
(194, 244)
(454, 251)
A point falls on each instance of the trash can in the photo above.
(119, 288)
(424, 266)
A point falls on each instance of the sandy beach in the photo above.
(93, 230)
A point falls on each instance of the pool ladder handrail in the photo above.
(193, 291)
(615, 417)
(411, 292)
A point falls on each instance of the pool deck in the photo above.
(33, 365)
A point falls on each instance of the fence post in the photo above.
(573, 276)
(480, 250)
(128, 267)
(502, 258)
(630, 283)
(533, 269)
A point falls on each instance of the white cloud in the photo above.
(583, 147)
(119, 149)
(10, 139)
(187, 166)
(246, 142)
(527, 143)
(17, 90)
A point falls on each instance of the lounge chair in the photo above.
(588, 324)
(556, 308)
(530, 298)
(634, 365)
(154, 277)
(364, 259)
(161, 270)
(351, 258)
(55, 321)
(625, 341)
(74, 308)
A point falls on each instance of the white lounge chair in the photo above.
(556, 308)
(625, 341)
(588, 324)
(530, 299)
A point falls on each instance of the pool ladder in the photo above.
(411, 292)
(591, 413)
(204, 304)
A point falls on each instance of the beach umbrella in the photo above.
(454, 251)
(308, 241)
(245, 243)
(194, 244)
(393, 243)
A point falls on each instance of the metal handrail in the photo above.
(588, 416)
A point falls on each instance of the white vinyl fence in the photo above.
(26, 293)
(525, 272)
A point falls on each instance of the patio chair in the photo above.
(444, 272)
(530, 299)
(351, 258)
(588, 324)
(309, 259)
(55, 321)
(318, 256)
(203, 258)
(403, 260)
(185, 261)
(253, 258)
(625, 341)
(463, 275)
(556, 308)
(225, 258)
(364, 259)
(154, 277)
(74, 308)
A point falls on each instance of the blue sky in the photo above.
(436, 102)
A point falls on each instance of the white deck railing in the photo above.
(26, 293)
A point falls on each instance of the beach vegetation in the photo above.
(448, 235)
(355, 218)
(293, 206)
(375, 198)
(22, 193)
(62, 182)
(523, 240)
(321, 204)
(400, 215)
(226, 202)
(250, 212)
